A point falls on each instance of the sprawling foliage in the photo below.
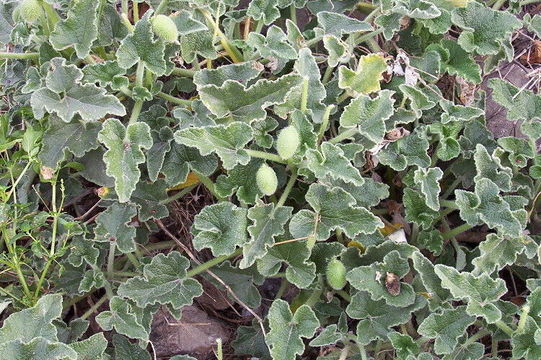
(347, 157)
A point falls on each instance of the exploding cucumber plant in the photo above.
(356, 204)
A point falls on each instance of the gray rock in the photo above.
(194, 334)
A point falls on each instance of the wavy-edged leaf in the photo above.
(226, 141)
(377, 317)
(373, 280)
(366, 79)
(122, 317)
(65, 96)
(124, 349)
(124, 153)
(164, 281)
(60, 138)
(369, 114)
(333, 209)
(428, 181)
(92, 348)
(480, 291)
(220, 227)
(268, 222)
(287, 329)
(331, 162)
(247, 104)
(79, 29)
(498, 251)
(113, 225)
(484, 29)
(446, 327)
(407, 151)
(140, 46)
(487, 205)
(336, 24)
(34, 322)
(300, 271)
(37, 349)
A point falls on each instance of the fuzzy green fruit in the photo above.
(288, 142)
(165, 28)
(30, 10)
(266, 180)
(336, 274)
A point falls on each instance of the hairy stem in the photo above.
(288, 188)
(266, 156)
(207, 265)
(21, 56)
(458, 230)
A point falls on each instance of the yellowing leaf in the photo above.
(192, 179)
(366, 78)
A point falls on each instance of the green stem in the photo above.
(265, 155)
(288, 188)
(368, 36)
(304, 95)
(135, 10)
(344, 135)
(219, 350)
(344, 295)
(499, 4)
(345, 95)
(478, 335)
(362, 350)
(528, 2)
(451, 188)
(504, 327)
(207, 265)
(205, 180)
(136, 111)
(231, 50)
(324, 122)
(174, 100)
(122, 274)
(282, 289)
(458, 230)
(259, 26)
(183, 72)
(133, 259)
(52, 251)
(313, 41)
(111, 257)
(293, 13)
(124, 6)
(94, 307)
(365, 7)
(327, 75)
(161, 7)
(449, 204)
(9, 55)
(523, 317)
(178, 195)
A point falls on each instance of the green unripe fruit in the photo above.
(288, 142)
(165, 28)
(336, 274)
(266, 180)
(30, 10)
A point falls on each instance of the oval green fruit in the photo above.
(288, 142)
(266, 180)
(165, 28)
(30, 10)
(336, 274)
